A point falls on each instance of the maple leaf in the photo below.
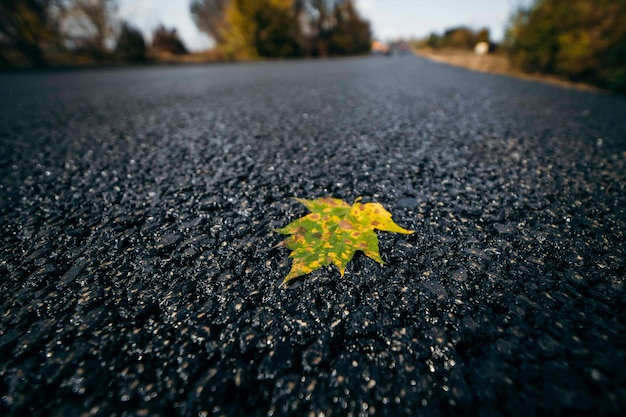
(333, 232)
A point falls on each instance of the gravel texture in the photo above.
(139, 273)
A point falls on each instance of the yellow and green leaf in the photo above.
(332, 233)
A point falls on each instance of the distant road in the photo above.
(496, 64)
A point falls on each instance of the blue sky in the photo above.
(389, 18)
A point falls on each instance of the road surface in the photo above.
(139, 271)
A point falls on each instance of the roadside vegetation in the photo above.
(462, 38)
(579, 41)
(76, 32)
(251, 29)
(82, 32)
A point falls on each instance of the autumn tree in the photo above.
(582, 40)
(90, 26)
(167, 40)
(130, 45)
(272, 28)
(482, 36)
(434, 40)
(350, 34)
(259, 28)
(208, 16)
(29, 30)
(317, 21)
(460, 38)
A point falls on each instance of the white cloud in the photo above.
(136, 7)
(148, 14)
(405, 18)
(366, 7)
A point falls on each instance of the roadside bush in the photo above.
(457, 38)
(167, 40)
(131, 46)
(249, 29)
(581, 40)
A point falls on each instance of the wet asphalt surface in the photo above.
(139, 273)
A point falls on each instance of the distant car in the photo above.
(484, 48)
(380, 48)
(481, 48)
(400, 48)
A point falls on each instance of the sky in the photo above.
(390, 19)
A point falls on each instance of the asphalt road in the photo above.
(139, 273)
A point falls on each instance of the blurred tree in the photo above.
(459, 38)
(582, 40)
(89, 26)
(29, 31)
(482, 36)
(320, 21)
(259, 28)
(350, 34)
(238, 30)
(131, 46)
(277, 30)
(271, 28)
(167, 40)
(332, 27)
(209, 17)
(434, 40)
